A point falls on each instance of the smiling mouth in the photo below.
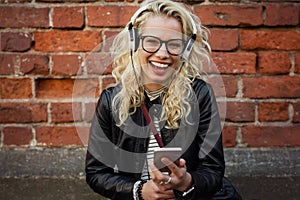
(159, 65)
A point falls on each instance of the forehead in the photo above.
(163, 27)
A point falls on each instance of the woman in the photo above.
(158, 76)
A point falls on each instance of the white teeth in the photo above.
(159, 64)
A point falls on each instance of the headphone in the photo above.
(134, 36)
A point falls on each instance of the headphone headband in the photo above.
(133, 33)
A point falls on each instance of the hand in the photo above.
(151, 191)
(180, 179)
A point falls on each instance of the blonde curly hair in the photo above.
(175, 102)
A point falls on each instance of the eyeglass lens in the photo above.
(152, 44)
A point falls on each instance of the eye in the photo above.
(151, 41)
(175, 44)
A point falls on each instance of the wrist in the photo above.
(188, 183)
(137, 190)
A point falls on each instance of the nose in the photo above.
(162, 51)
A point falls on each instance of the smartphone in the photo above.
(172, 153)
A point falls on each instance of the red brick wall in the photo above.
(45, 43)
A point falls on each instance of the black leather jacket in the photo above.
(116, 155)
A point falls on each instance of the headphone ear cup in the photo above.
(136, 39)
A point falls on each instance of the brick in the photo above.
(15, 88)
(230, 15)
(274, 63)
(109, 16)
(57, 136)
(296, 114)
(17, 136)
(15, 42)
(224, 39)
(64, 41)
(109, 37)
(271, 136)
(65, 1)
(66, 65)
(68, 17)
(281, 14)
(19, 16)
(66, 112)
(66, 88)
(99, 63)
(7, 64)
(23, 112)
(270, 39)
(18, 1)
(223, 86)
(229, 136)
(297, 62)
(34, 64)
(273, 111)
(89, 111)
(240, 112)
(271, 87)
(107, 82)
(234, 63)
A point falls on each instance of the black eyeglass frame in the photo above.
(142, 37)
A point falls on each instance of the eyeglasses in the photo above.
(152, 44)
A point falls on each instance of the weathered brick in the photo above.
(297, 62)
(15, 42)
(107, 81)
(23, 112)
(224, 39)
(66, 1)
(15, 88)
(234, 63)
(223, 86)
(271, 87)
(270, 39)
(8, 63)
(271, 136)
(89, 111)
(18, 17)
(99, 63)
(66, 88)
(240, 112)
(109, 16)
(281, 14)
(66, 65)
(34, 64)
(18, 1)
(64, 41)
(230, 15)
(274, 63)
(109, 37)
(273, 111)
(57, 136)
(17, 136)
(229, 136)
(68, 17)
(66, 112)
(296, 114)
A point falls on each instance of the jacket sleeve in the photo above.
(209, 171)
(100, 173)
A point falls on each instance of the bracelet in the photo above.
(139, 189)
(188, 191)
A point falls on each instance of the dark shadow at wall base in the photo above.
(251, 188)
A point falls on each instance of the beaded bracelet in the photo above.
(139, 189)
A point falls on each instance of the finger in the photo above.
(171, 165)
(156, 175)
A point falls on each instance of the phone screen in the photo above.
(172, 153)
